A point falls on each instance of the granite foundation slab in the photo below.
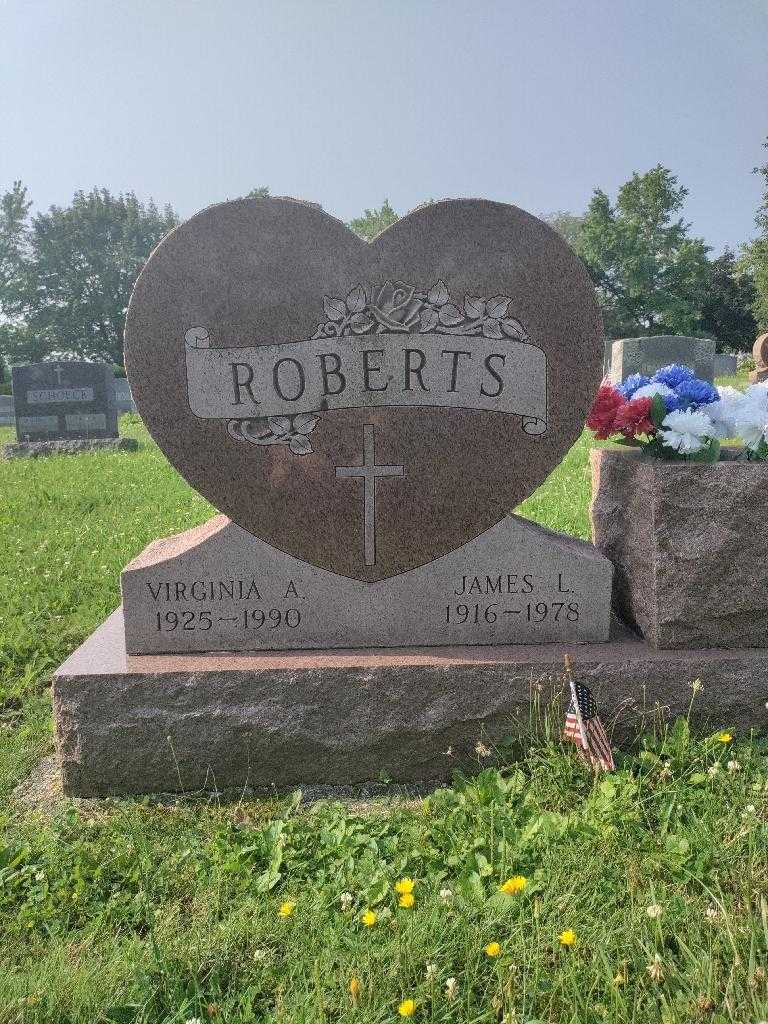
(274, 722)
(687, 541)
(42, 449)
(218, 588)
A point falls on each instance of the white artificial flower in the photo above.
(724, 411)
(653, 389)
(687, 431)
(752, 417)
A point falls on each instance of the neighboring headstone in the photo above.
(64, 401)
(63, 408)
(7, 418)
(760, 354)
(726, 365)
(123, 397)
(646, 355)
(367, 416)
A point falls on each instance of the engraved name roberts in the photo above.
(424, 352)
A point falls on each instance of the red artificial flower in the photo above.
(603, 412)
(634, 418)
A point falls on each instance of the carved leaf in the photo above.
(438, 294)
(474, 306)
(279, 425)
(428, 320)
(335, 309)
(513, 328)
(360, 323)
(497, 306)
(451, 315)
(356, 300)
(305, 422)
(300, 445)
(492, 329)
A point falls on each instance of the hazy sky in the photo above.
(534, 102)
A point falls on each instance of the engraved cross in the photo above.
(369, 471)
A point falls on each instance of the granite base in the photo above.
(75, 446)
(277, 721)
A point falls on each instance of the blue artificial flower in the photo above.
(695, 392)
(673, 375)
(632, 383)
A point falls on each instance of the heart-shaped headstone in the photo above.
(364, 407)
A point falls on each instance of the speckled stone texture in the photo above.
(760, 355)
(255, 273)
(688, 546)
(42, 449)
(344, 718)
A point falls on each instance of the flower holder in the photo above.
(688, 543)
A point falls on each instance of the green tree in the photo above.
(755, 259)
(81, 266)
(727, 314)
(650, 274)
(14, 256)
(567, 224)
(373, 222)
(262, 192)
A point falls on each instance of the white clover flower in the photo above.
(733, 767)
(451, 988)
(713, 769)
(446, 895)
(654, 911)
(346, 899)
(687, 431)
(653, 389)
(430, 972)
(481, 750)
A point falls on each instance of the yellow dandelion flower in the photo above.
(568, 937)
(492, 949)
(354, 989)
(407, 900)
(404, 886)
(407, 1008)
(287, 908)
(514, 885)
(369, 918)
(724, 737)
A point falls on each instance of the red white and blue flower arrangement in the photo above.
(674, 415)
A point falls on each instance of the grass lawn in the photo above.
(130, 911)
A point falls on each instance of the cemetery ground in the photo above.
(639, 896)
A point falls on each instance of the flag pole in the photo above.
(574, 700)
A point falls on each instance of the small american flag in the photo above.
(583, 726)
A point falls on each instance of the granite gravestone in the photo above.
(646, 355)
(64, 401)
(726, 365)
(760, 354)
(367, 417)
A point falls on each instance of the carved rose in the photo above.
(396, 307)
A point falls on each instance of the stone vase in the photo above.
(689, 545)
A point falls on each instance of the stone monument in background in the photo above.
(64, 407)
(647, 355)
(760, 354)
